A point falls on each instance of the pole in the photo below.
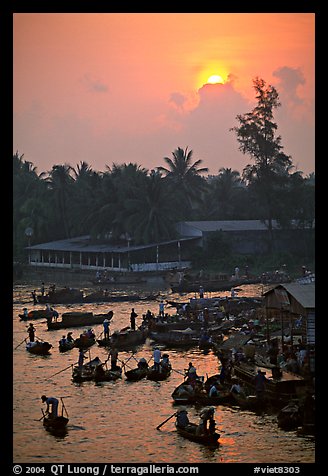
(169, 418)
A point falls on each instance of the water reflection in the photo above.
(116, 421)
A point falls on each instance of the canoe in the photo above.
(184, 394)
(84, 343)
(190, 434)
(38, 348)
(66, 346)
(136, 374)
(56, 424)
(35, 314)
(106, 375)
(247, 402)
(87, 372)
(79, 319)
(290, 417)
(156, 375)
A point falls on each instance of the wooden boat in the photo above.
(184, 394)
(104, 296)
(290, 417)
(38, 348)
(190, 433)
(156, 375)
(87, 372)
(106, 375)
(79, 319)
(84, 342)
(222, 283)
(56, 424)
(137, 374)
(279, 390)
(247, 401)
(126, 338)
(64, 347)
(104, 342)
(62, 296)
(35, 314)
(176, 338)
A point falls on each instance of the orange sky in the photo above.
(112, 88)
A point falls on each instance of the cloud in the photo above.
(94, 85)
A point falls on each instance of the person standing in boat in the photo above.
(133, 316)
(25, 313)
(31, 332)
(35, 299)
(157, 359)
(54, 405)
(81, 358)
(260, 381)
(106, 329)
(113, 358)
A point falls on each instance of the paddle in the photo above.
(20, 343)
(163, 422)
(71, 365)
(177, 371)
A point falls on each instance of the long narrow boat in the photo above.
(191, 434)
(86, 372)
(35, 314)
(136, 374)
(56, 424)
(278, 390)
(79, 319)
(126, 338)
(106, 375)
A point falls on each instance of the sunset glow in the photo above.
(215, 79)
(133, 89)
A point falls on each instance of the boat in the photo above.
(61, 296)
(84, 342)
(162, 374)
(290, 417)
(104, 296)
(65, 346)
(38, 347)
(176, 338)
(78, 319)
(106, 375)
(128, 337)
(87, 371)
(247, 401)
(280, 387)
(35, 314)
(190, 433)
(139, 372)
(120, 279)
(184, 394)
(58, 424)
(189, 283)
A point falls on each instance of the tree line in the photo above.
(130, 202)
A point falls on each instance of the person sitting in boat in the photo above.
(63, 341)
(90, 334)
(69, 337)
(236, 387)
(113, 358)
(182, 420)
(142, 364)
(54, 405)
(25, 313)
(214, 390)
(99, 371)
(260, 384)
(165, 362)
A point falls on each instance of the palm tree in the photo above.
(60, 182)
(149, 214)
(184, 177)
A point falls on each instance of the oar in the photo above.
(177, 371)
(20, 343)
(43, 416)
(63, 406)
(169, 418)
(71, 365)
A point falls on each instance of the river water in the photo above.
(115, 422)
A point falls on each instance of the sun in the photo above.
(215, 79)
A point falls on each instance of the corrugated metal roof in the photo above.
(82, 243)
(230, 225)
(303, 293)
